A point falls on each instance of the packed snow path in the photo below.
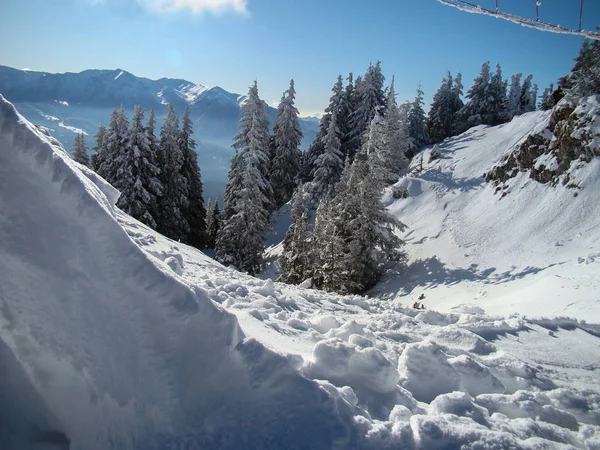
(114, 337)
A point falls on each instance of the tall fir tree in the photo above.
(441, 114)
(477, 110)
(171, 221)
(584, 78)
(79, 150)
(99, 148)
(287, 135)
(417, 132)
(396, 145)
(514, 96)
(116, 143)
(457, 103)
(497, 106)
(329, 165)
(193, 211)
(248, 192)
(369, 99)
(138, 174)
(526, 101)
(296, 258)
(547, 102)
(213, 223)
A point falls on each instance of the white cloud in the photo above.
(197, 6)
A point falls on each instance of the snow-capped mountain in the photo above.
(69, 103)
(115, 337)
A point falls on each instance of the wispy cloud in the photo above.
(195, 6)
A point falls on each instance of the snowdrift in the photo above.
(104, 346)
(115, 337)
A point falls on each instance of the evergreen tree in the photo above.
(457, 103)
(193, 212)
(213, 223)
(79, 150)
(514, 96)
(152, 141)
(296, 261)
(248, 191)
(287, 136)
(584, 78)
(116, 143)
(497, 106)
(396, 145)
(547, 102)
(99, 149)
(137, 174)
(174, 201)
(329, 165)
(369, 99)
(417, 134)
(526, 101)
(441, 115)
(477, 110)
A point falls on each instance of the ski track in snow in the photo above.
(121, 338)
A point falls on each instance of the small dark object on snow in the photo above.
(421, 297)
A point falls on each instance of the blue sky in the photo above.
(232, 42)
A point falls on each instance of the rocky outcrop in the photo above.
(571, 138)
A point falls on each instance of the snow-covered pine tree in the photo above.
(248, 192)
(497, 107)
(287, 136)
(329, 165)
(171, 221)
(116, 141)
(348, 104)
(213, 223)
(547, 102)
(152, 141)
(295, 261)
(417, 134)
(138, 174)
(99, 149)
(584, 78)
(370, 99)
(514, 96)
(457, 103)
(193, 211)
(534, 96)
(476, 109)
(526, 102)
(79, 150)
(441, 115)
(396, 145)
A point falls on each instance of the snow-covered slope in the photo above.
(525, 247)
(114, 337)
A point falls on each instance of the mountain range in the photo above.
(69, 103)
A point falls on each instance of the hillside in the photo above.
(523, 246)
(116, 337)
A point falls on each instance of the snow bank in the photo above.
(104, 347)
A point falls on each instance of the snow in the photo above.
(120, 73)
(70, 128)
(62, 102)
(113, 336)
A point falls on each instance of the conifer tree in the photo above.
(171, 221)
(115, 143)
(547, 102)
(248, 192)
(457, 103)
(497, 105)
(287, 136)
(137, 174)
(526, 101)
(99, 149)
(213, 223)
(477, 110)
(584, 78)
(417, 133)
(441, 114)
(296, 258)
(193, 210)
(329, 165)
(396, 145)
(79, 150)
(514, 96)
(370, 99)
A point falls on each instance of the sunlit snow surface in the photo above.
(114, 337)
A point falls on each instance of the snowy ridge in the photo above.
(120, 338)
